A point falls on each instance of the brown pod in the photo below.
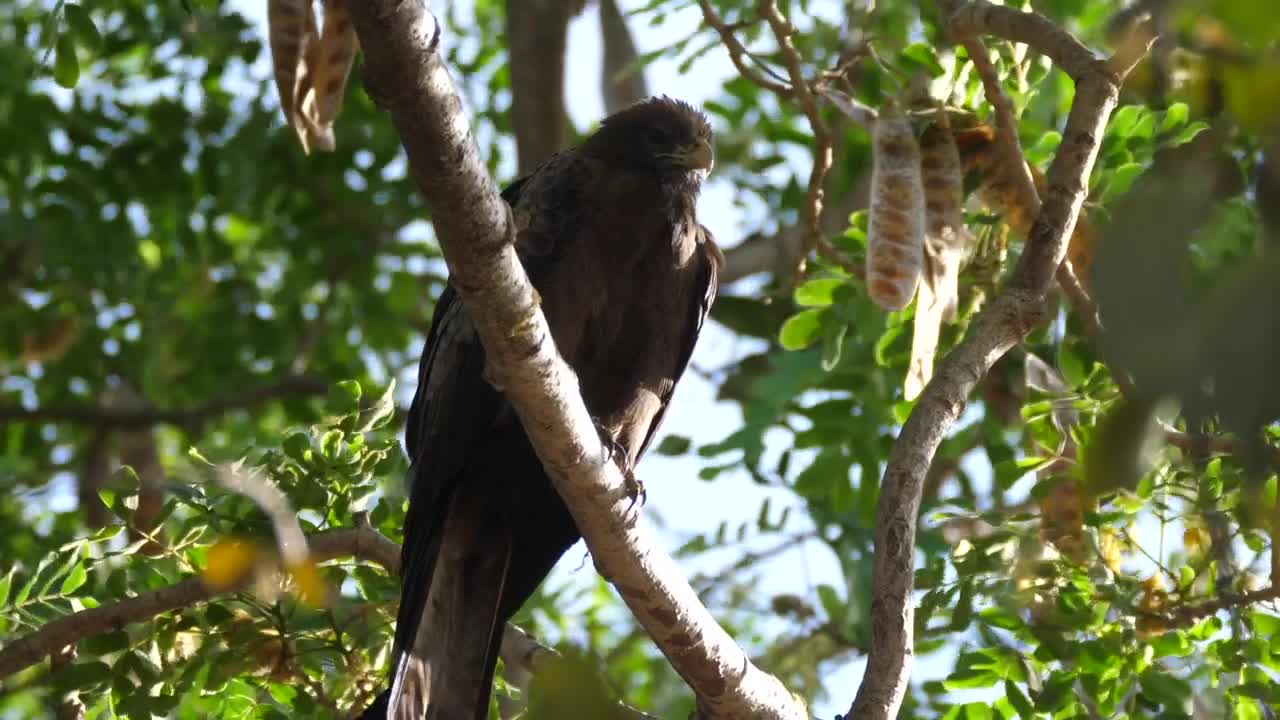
(330, 61)
(996, 191)
(895, 224)
(292, 32)
(945, 241)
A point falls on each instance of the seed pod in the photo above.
(292, 30)
(945, 241)
(979, 153)
(329, 64)
(895, 226)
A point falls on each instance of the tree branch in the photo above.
(288, 386)
(621, 79)
(362, 542)
(405, 75)
(738, 54)
(523, 655)
(1015, 311)
(537, 34)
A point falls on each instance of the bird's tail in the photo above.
(449, 627)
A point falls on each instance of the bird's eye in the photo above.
(657, 136)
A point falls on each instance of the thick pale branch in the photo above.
(474, 227)
(124, 417)
(972, 19)
(1015, 311)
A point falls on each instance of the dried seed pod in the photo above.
(979, 152)
(895, 226)
(292, 31)
(946, 240)
(329, 63)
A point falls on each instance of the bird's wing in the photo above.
(702, 295)
(451, 411)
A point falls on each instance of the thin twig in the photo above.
(822, 154)
(363, 542)
(738, 53)
(133, 418)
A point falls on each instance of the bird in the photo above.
(607, 232)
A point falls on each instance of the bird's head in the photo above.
(660, 134)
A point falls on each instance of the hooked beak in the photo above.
(698, 156)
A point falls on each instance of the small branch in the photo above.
(622, 80)
(362, 542)
(1017, 309)
(1196, 444)
(289, 386)
(822, 154)
(1184, 615)
(537, 34)
(404, 74)
(520, 651)
(738, 53)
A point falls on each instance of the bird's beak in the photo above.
(698, 156)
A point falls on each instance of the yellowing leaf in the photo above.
(228, 563)
(1196, 539)
(311, 588)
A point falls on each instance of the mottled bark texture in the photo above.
(405, 75)
(1016, 310)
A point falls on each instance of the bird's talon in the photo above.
(636, 491)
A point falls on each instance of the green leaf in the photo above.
(1124, 120)
(833, 334)
(832, 604)
(801, 330)
(83, 674)
(818, 293)
(1175, 116)
(297, 445)
(5, 584)
(1188, 134)
(925, 56)
(74, 580)
(1122, 179)
(383, 410)
(886, 340)
(1018, 699)
(331, 443)
(1070, 365)
(82, 26)
(25, 591)
(106, 533)
(1164, 688)
(673, 445)
(344, 397)
(66, 67)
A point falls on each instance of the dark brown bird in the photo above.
(608, 234)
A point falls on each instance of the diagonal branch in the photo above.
(523, 654)
(404, 73)
(362, 541)
(288, 386)
(1015, 311)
